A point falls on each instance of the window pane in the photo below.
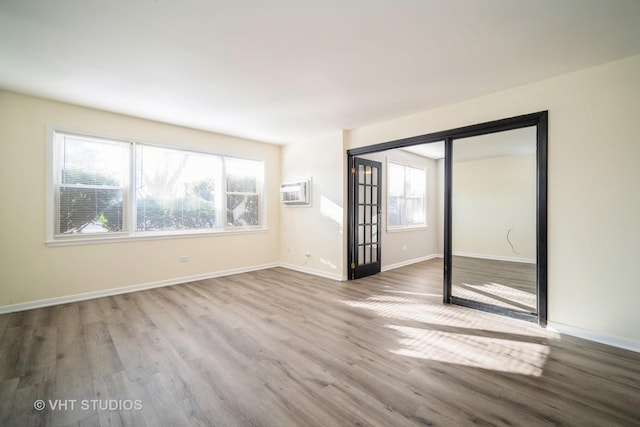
(396, 179)
(244, 176)
(91, 181)
(243, 210)
(406, 196)
(92, 162)
(395, 211)
(90, 210)
(244, 185)
(176, 189)
(415, 182)
(415, 211)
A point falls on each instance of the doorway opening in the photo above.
(494, 214)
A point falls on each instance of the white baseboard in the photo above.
(495, 257)
(410, 261)
(314, 272)
(127, 289)
(625, 343)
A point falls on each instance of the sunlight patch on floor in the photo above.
(503, 355)
(414, 309)
(451, 335)
(503, 294)
(420, 294)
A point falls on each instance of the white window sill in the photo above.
(407, 228)
(151, 235)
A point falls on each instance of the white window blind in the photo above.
(91, 184)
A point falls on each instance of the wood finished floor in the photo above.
(505, 284)
(282, 348)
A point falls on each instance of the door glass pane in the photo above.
(360, 234)
(374, 234)
(374, 195)
(367, 175)
(367, 234)
(361, 194)
(361, 173)
(367, 217)
(367, 254)
(374, 175)
(367, 195)
(361, 255)
(360, 214)
(374, 253)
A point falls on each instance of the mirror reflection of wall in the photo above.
(494, 219)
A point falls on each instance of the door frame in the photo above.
(538, 119)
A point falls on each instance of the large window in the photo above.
(112, 188)
(406, 202)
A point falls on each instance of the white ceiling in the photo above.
(284, 70)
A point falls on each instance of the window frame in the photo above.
(404, 226)
(129, 232)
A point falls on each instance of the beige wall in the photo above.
(489, 198)
(311, 235)
(594, 202)
(30, 271)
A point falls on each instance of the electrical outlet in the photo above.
(183, 259)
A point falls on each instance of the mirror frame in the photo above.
(540, 121)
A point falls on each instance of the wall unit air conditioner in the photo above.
(295, 193)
